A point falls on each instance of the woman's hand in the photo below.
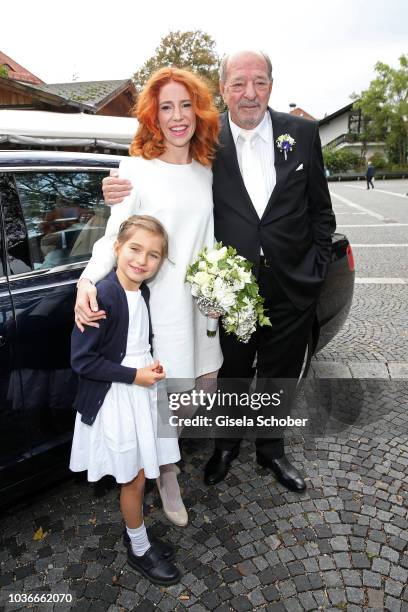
(146, 377)
(115, 189)
(86, 307)
(214, 315)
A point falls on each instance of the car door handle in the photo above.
(2, 341)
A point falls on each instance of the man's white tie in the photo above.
(252, 173)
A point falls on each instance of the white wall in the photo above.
(333, 129)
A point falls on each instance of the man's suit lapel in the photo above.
(282, 166)
(228, 152)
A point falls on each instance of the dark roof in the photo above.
(43, 96)
(90, 94)
(329, 118)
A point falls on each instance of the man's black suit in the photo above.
(295, 236)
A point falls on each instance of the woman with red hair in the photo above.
(170, 168)
(151, 142)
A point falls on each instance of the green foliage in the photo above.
(379, 162)
(384, 107)
(397, 168)
(194, 50)
(3, 71)
(340, 161)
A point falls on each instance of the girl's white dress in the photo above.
(180, 196)
(123, 438)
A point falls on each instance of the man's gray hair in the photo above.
(224, 65)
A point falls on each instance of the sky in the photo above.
(321, 51)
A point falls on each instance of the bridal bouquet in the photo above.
(223, 284)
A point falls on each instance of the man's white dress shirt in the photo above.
(261, 142)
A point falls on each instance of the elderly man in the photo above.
(272, 204)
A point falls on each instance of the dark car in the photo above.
(51, 213)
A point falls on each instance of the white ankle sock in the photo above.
(170, 487)
(139, 540)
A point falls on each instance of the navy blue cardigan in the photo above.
(96, 354)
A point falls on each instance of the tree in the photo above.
(3, 71)
(194, 50)
(384, 108)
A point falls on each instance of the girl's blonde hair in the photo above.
(147, 223)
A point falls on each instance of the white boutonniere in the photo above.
(285, 144)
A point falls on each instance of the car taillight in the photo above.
(350, 258)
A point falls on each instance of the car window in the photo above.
(64, 214)
(18, 257)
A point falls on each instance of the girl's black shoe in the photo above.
(165, 550)
(153, 567)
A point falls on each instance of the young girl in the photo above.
(170, 167)
(116, 425)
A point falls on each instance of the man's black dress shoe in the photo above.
(218, 465)
(153, 567)
(284, 471)
(165, 550)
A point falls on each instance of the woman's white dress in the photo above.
(123, 438)
(180, 196)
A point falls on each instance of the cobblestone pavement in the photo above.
(250, 544)
(376, 328)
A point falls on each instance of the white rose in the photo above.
(216, 254)
(224, 295)
(244, 275)
(201, 278)
(237, 284)
(207, 291)
(226, 299)
(219, 284)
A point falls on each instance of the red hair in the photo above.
(148, 141)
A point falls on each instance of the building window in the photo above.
(355, 122)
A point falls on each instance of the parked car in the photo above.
(51, 213)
